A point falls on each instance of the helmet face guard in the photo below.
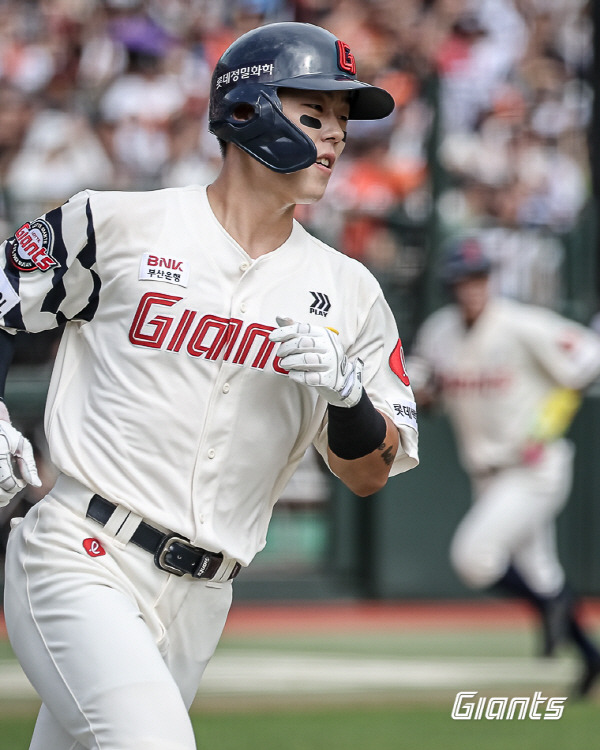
(267, 135)
(284, 55)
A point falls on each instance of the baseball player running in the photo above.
(209, 340)
(508, 375)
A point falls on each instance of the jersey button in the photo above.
(211, 453)
(226, 388)
(243, 307)
(244, 267)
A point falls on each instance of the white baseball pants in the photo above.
(512, 520)
(115, 647)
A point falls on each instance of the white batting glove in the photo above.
(17, 464)
(314, 356)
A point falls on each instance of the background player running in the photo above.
(508, 376)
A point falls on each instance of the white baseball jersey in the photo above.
(166, 394)
(494, 377)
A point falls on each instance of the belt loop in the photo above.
(224, 571)
(122, 524)
(116, 520)
(128, 528)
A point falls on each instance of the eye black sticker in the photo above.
(310, 122)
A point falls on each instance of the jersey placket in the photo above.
(218, 438)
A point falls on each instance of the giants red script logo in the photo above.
(213, 337)
(93, 547)
(210, 337)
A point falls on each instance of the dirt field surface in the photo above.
(349, 616)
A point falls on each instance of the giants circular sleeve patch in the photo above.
(31, 247)
(398, 364)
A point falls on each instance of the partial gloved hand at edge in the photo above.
(17, 463)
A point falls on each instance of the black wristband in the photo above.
(356, 431)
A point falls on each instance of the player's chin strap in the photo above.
(314, 356)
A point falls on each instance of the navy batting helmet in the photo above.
(291, 55)
(464, 257)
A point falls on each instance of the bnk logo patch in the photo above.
(158, 268)
(31, 247)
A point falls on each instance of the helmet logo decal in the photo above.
(346, 61)
(471, 249)
(258, 72)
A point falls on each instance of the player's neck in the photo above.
(258, 220)
(470, 317)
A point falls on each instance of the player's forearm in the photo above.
(369, 473)
(362, 442)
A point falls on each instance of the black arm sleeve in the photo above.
(7, 350)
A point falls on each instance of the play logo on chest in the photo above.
(160, 268)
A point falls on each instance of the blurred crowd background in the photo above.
(494, 103)
(491, 132)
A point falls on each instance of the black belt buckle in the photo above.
(165, 550)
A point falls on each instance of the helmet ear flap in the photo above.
(254, 121)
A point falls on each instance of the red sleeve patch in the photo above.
(398, 364)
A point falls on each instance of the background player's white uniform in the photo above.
(494, 379)
(167, 399)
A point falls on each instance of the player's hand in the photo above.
(17, 464)
(313, 355)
